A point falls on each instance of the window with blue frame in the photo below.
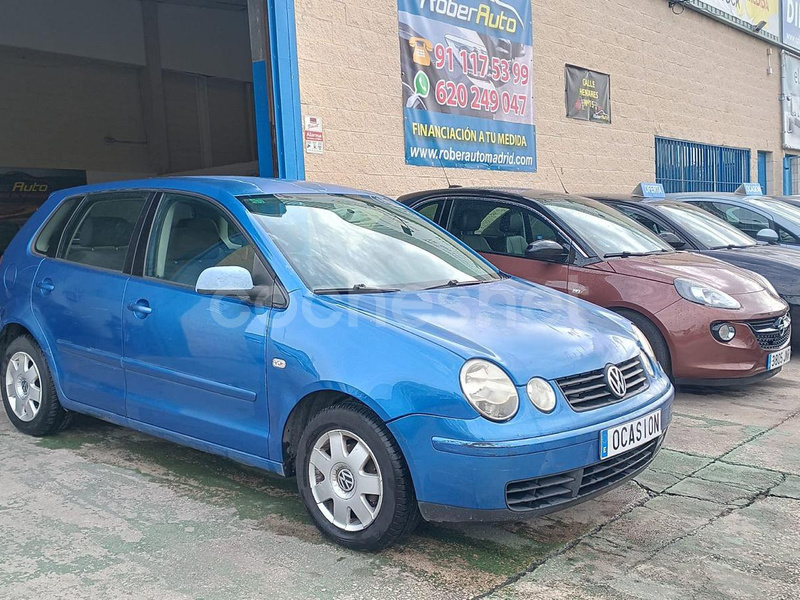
(691, 167)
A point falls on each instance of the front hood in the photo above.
(528, 329)
(778, 264)
(666, 268)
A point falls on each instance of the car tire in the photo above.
(335, 476)
(28, 390)
(653, 335)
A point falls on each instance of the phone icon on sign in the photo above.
(422, 50)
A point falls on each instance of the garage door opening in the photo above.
(118, 89)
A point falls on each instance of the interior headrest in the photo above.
(181, 211)
(470, 221)
(105, 231)
(513, 224)
(193, 236)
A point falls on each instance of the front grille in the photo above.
(550, 491)
(590, 390)
(770, 334)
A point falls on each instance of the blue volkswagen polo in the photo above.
(326, 333)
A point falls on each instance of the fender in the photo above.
(279, 414)
(37, 334)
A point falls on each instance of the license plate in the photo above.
(777, 359)
(629, 435)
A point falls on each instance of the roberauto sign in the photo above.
(480, 15)
(467, 77)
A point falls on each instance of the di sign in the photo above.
(468, 83)
(791, 23)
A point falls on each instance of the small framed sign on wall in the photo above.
(588, 95)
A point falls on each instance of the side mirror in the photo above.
(547, 251)
(768, 236)
(235, 281)
(672, 239)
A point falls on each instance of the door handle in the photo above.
(141, 308)
(46, 285)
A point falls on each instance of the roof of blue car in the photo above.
(236, 186)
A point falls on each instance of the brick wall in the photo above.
(685, 76)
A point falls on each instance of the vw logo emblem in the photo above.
(345, 480)
(615, 381)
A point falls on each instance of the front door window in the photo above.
(191, 235)
(503, 231)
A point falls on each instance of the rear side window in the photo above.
(48, 240)
(100, 232)
(430, 210)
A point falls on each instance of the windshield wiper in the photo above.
(359, 288)
(454, 283)
(732, 246)
(623, 254)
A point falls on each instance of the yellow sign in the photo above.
(756, 16)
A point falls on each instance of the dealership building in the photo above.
(398, 95)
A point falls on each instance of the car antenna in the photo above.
(446, 178)
(559, 177)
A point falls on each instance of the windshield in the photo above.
(708, 229)
(782, 209)
(363, 243)
(607, 231)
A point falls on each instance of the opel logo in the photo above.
(615, 381)
(783, 323)
(345, 480)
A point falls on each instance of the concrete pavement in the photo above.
(102, 512)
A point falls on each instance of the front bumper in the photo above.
(559, 491)
(459, 480)
(699, 359)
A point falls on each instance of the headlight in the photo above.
(648, 364)
(698, 293)
(645, 343)
(489, 390)
(541, 394)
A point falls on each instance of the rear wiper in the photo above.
(454, 283)
(623, 254)
(359, 288)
